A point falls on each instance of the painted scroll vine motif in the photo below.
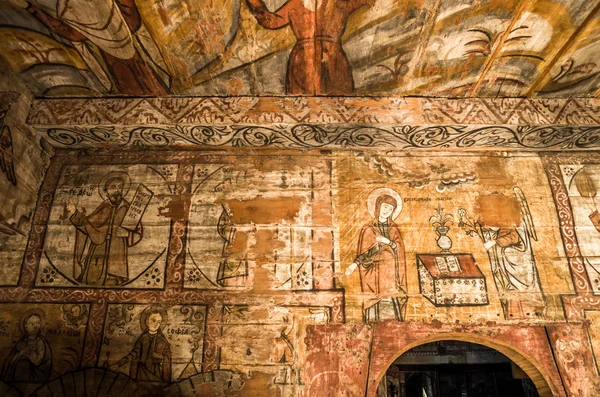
(574, 181)
(316, 136)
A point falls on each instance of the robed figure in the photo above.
(505, 226)
(382, 264)
(101, 244)
(317, 64)
(30, 360)
(150, 357)
(233, 268)
(111, 38)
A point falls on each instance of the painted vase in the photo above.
(443, 241)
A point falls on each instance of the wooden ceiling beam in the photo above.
(320, 123)
(492, 59)
(568, 48)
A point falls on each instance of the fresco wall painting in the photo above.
(111, 227)
(44, 343)
(263, 257)
(474, 261)
(302, 47)
(20, 178)
(574, 180)
(232, 244)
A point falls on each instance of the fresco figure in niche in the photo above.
(232, 271)
(381, 260)
(317, 64)
(101, 244)
(505, 228)
(150, 357)
(108, 33)
(30, 360)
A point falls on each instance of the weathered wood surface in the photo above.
(305, 47)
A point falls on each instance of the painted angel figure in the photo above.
(506, 229)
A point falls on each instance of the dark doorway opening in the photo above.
(455, 369)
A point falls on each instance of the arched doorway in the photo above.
(454, 368)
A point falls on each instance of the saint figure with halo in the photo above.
(101, 244)
(381, 260)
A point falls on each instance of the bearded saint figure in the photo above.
(101, 244)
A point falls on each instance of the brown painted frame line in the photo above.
(27, 292)
(577, 305)
(90, 112)
(589, 337)
(584, 299)
(574, 358)
(579, 274)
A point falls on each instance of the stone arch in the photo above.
(542, 380)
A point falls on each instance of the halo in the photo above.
(35, 311)
(374, 195)
(153, 309)
(114, 174)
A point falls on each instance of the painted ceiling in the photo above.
(447, 48)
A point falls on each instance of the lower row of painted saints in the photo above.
(30, 360)
(381, 260)
(150, 359)
(101, 242)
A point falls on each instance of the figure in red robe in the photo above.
(115, 27)
(382, 265)
(317, 64)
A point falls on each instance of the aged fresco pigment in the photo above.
(303, 47)
(268, 262)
